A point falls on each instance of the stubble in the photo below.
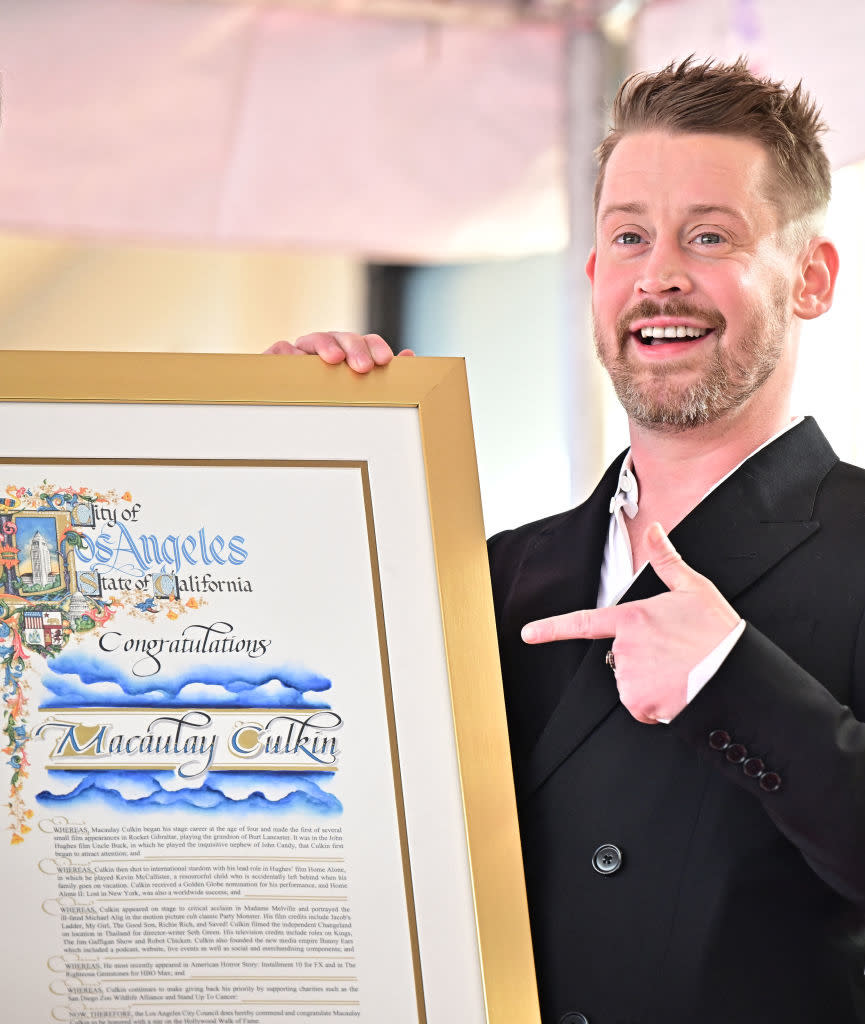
(654, 395)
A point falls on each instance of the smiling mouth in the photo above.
(664, 335)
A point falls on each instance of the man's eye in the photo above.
(709, 238)
(629, 238)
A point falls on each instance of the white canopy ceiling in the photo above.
(268, 124)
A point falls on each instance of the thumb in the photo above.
(666, 560)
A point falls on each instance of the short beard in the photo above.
(726, 383)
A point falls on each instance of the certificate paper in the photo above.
(236, 786)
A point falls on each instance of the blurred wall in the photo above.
(57, 294)
(831, 372)
(508, 320)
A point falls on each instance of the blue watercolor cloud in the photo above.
(229, 791)
(78, 679)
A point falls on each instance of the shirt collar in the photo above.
(627, 495)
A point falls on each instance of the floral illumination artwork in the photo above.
(46, 600)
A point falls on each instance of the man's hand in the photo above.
(361, 351)
(656, 641)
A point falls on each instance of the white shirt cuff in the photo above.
(701, 674)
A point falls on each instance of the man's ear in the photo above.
(590, 266)
(815, 285)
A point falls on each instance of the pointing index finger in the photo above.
(589, 624)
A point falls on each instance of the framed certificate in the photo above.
(255, 746)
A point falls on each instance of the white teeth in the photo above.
(678, 331)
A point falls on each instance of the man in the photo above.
(689, 746)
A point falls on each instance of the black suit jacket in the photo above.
(734, 902)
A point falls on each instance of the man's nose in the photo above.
(663, 270)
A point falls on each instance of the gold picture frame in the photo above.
(434, 395)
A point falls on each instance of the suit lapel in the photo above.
(559, 573)
(734, 536)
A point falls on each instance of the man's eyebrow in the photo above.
(708, 208)
(638, 209)
(702, 209)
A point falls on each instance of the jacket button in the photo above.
(770, 782)
(571, 1017)
(719, 739)
(606, 860)
(753, 767)
(736, 753)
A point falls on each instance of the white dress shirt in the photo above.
(617, 570)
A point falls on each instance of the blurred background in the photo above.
(214, 175)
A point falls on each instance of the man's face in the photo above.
(691, 285)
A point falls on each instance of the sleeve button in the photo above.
(736, 753)
(719, 739)
(754, 767)
(770, 782)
